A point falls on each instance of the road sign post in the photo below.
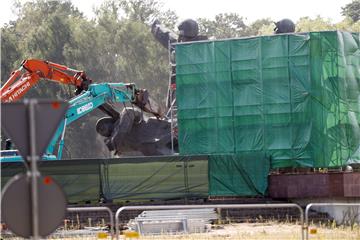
(31, 125)
(34, 157)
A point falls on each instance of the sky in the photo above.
(249, 9)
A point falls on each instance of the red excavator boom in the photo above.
(32, 70)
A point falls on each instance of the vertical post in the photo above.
(33, 158)
(170, 98)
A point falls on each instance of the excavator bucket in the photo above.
(148, 104)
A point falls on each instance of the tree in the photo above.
(42, 30)
(142, 60)
(227, 25)
(128, 47)
(307, 24)
(352, 10)
(145, 11)
(348, 25)
(261, 27)
(10, 53)
(10, 56)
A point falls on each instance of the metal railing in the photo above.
(96, 209)
(221, 206)
(304, 218)
(310, 205)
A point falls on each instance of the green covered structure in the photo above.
(289, 100)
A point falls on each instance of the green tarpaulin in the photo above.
(278, 101)
(294, 97)
(238, 175)
(124, 179)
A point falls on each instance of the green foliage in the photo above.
(307, 24)
(10, 53)
(225, 25)
(141, 60)
(348, 25)
(261, 27)
(146, 11)
(352, 10)
(41, 31)
(51, 33)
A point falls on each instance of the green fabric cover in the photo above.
(156, 178)
(238, 175)
(124, 179)
(294, 97)
(79, 180)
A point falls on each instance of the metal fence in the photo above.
(310, 205)
(219, 206)
(303, 215)
(96, 209)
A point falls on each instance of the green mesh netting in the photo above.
(293, 96)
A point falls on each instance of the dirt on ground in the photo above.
(241, 231)
(270, 231)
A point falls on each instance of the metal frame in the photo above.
(225, 206)
(140, 223)
(34, 172)
(183, 216)
(322, 205)
(173, 112)
(96, 209)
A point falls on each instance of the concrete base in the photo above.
(305, 188)
(314, 185)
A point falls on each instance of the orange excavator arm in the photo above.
(32, 70)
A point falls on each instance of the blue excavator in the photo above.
(90, 97)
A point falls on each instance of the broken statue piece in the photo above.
(135, 132)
